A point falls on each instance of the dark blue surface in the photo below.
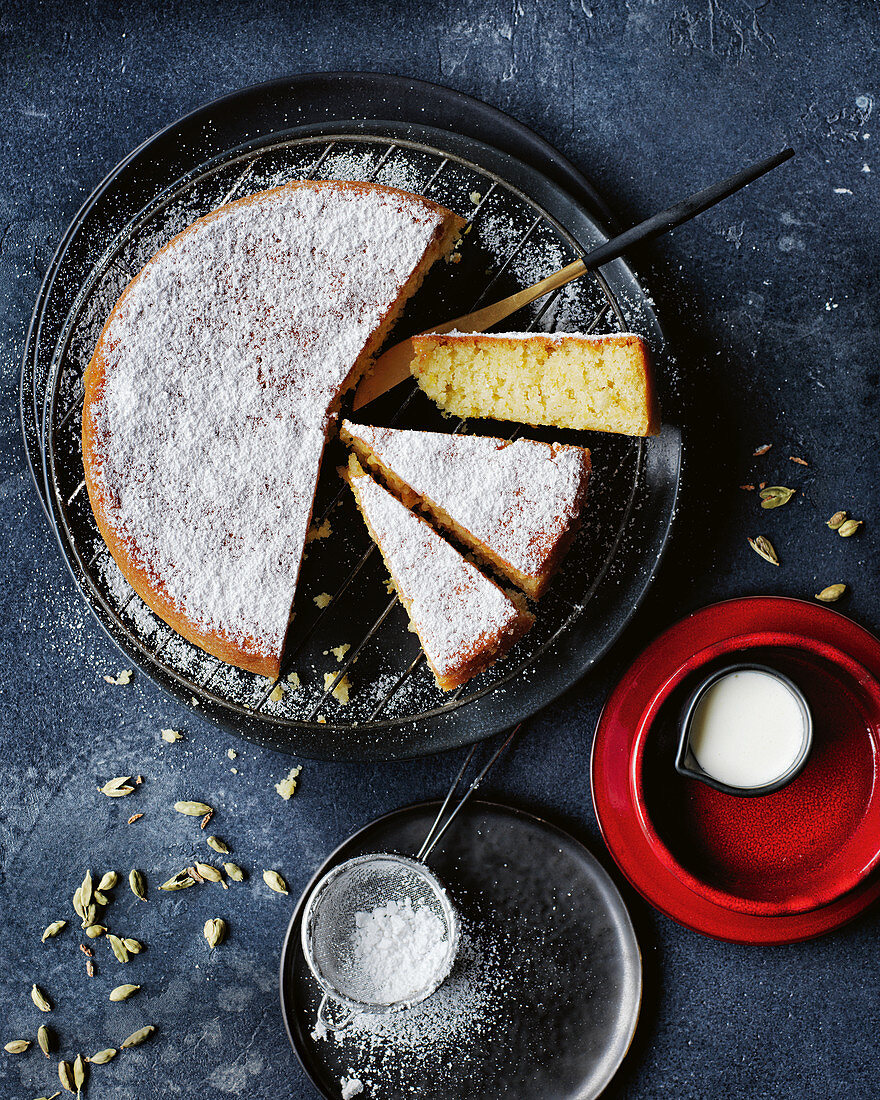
(772, 302)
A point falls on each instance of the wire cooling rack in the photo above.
(349, 631)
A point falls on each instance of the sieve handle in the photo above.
(441, 824)
(325, 1020)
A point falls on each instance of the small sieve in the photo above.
(362, 884)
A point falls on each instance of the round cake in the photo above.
(213, 385)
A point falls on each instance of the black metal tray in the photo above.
(524, 226)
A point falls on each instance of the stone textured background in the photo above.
(772, 301)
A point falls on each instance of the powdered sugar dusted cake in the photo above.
(517, 505)
(212, 387)
(464, 620)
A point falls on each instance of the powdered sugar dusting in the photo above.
(520, 498)
(457, 612)
(222, 363)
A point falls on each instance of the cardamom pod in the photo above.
(17, 1046)
(831, 593)
(79, 1073)
(90, 914)
(180, 881)
(77, 903)
(138, 1037)
(218, 845)
(192, 809)
(103, 1056)
(108, 880)
(215, 931)
(95, 930)
(836, 520)
(138, 884)
(774, 496)
(209, 872)
(118, 947)
(100, 898)
(234, 872)
(846, 530)
(53, 929)
(65, 1076)
(44, 1038)
(764, 547)
(123, 992)
(118, 787)
(275, 882)
(132, 946)
(40, 999)
(86, 890)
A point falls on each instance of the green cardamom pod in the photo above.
(103, 1056)
(101, 898)
(218, 845)
(193, 809)
(108, 880)
(123, 992)
(832, 593)
(836, 520)
(44, 1038)
(65, 1076)
(118, 947)
(774, 496)
(138, 1037)
(17, 1046)
(132, 946)
(138, 884)
(215, 931)
(53, 929)
(764, 547)
(234, 872)
(79, 1073)
(848, 529)
(118, 787)
(95, 930)
(180, 881)
(275, 882)
(40, 999)
(209, 872)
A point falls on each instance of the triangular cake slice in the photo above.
(562, 379)
(516, 505)
(464, 621)
(213, 385)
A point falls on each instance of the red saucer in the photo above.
(776, 869)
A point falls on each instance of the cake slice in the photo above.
(516, 505)
(213, 386)
(565, 380)
(464, 621)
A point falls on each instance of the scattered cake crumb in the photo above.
(342, 689)
(475, 197)
(287, 785)
(322, 721)
(389, 586)
(234, 771)
(322, 532)
(171, 736)
(123, 677)
(294, 680)
(231, 753)
(276, 694)
(323, 600)
(350, 1086)
(340, 651)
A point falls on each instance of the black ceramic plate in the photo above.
(559, 1023)
(524, 225)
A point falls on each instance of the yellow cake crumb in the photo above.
(276, 694)
(123, 677)
(322, 721)
(341, 691)
(171, 736)
(231, 753)
(287, 785)
(294, 680)
(340, 651)
(322, 532)
(323, 600)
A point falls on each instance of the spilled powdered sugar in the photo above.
(456, 611)
(518, 498)
(221, 364)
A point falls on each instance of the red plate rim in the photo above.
(611, 762)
